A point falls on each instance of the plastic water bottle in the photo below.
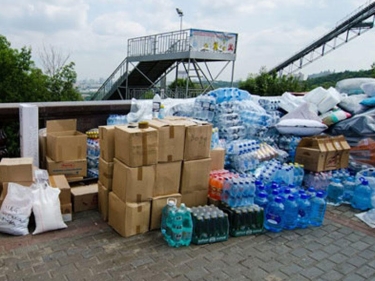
(274, 215)
(349, 186)
(291, 212)
(161, 112)
(318, 209)
(187, 225)
(362, 196)
(261, 199)
(156, 103)
(171, 204)
(335, 192)
(304, 211)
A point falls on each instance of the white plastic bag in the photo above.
(15, 210)
(46, 208)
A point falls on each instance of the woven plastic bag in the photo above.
(16, 209)
(46, 208)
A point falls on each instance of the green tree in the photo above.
(21, 81)
(266, 84)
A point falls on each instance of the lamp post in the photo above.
(180, 14)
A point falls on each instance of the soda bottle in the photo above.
(318, 208)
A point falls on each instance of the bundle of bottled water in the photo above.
(176, 224)
(210, 225)
(319, 180)
(347, 189)
(245, 220)
(116, 119)
(204, 107)
(93, 153)
(289, 144)
(290, 206)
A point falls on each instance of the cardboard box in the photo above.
(168, 176)
(342, 145)
(103, 194)
(61, 182)
(128, 218)
(107, 142)
(157, 205)
(16, 169)
(67, 212)
(317, 154)
(171, 140)
(85, 197)
(136, 147)
(133, 184)
(195, 175)
(197, 137)
(106, 173)
(194, 198)
(64, 142)
(76, 168)
(217, 156)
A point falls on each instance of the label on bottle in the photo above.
(273, 218)
(156, 106)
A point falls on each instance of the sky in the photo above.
(94, 33)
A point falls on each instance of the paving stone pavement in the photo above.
(342, 249)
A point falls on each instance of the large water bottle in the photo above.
(362, 196)
(318, 209)
(187, 225)
(335, 192)
(291, 212)
(349, 186)
(261, 199)
(274, 215)
(156, 103)
(304, 211)
(171, 204)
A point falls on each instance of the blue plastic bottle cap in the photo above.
(278, 199)
(304, 196)
(320, 194)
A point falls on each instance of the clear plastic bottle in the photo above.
(187, 225)
(304, 211)
(362, 196)
(156, 103)
(335, 192)
(161, 112)
(261, 199)
(291, 212)
(171, 204)
(274, 215)
(318, 208)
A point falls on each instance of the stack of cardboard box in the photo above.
(136, 156)
(66, 149)
(106, 163)
(168, 168)
(60, 181)
(196, 165)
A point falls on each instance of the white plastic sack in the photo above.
(15, 210)
(46, 208)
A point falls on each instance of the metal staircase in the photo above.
(151, 58)
(352, 26)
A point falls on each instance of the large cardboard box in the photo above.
(317, 154)
(106, 173)
(343, 147)
(197, 137)
(157, 205)
(85, 197)
(16, 169)
(128, 219)
(195, 175)
(64, 142)
(171, 140)
(194, 198)
(217, 156)
(136, 147)
(103, 194)
(133, 184)
(168, 176)
(77, 168)
(107, 142)
(61, 182)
